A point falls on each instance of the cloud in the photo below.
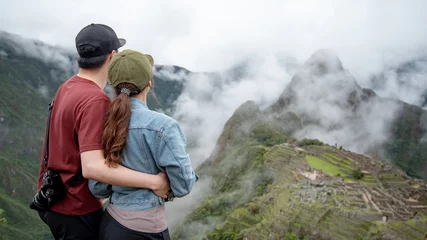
(330, 102)
(180, 207)
(212, 35)
(208, 100)
(44, 91)
(57, 57)
(3, 53)
(404, 79)
(168, 73)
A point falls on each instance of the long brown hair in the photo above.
(116, 124)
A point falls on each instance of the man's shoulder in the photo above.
(82, 90)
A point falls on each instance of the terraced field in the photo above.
(314, 196)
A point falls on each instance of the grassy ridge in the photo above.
(19, 221)
(292, 207)
(27, 86)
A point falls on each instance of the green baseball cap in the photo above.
(130, 66)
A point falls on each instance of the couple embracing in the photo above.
(120, 149)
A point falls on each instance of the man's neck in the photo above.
(98, 76)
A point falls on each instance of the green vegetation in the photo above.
(308, 142)
(17, 221)
(275, 210)
(325, 166)
(3, 220)
(357, 174)
(404, 148)
(27, 87)
(267, 135)
(240, 177)
(293, 236)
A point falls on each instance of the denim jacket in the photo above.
(155, 143)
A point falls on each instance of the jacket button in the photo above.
(154, 203)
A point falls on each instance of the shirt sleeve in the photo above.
(90, 125)
(172, 156)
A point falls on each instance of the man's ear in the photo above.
(150, 84)
(111, 55)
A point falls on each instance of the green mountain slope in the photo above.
(270, 186)
(27, 86)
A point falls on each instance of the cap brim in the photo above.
(122, 42)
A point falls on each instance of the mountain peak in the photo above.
(324, 61)
(326, 82)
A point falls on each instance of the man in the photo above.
(75, 140)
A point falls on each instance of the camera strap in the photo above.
(78, 177)
(46, 141)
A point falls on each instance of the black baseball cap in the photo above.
(101, 38)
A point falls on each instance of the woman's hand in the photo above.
(163, 187)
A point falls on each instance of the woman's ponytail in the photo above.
(116, 124)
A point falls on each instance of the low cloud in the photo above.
(169, 73)
(209, 100)
(329, 100)
(44, 91)
(404, 79)
(3, 53)
(180, 207)
(56, 57)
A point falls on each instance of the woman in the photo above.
(143, 140)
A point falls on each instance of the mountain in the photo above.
(267, 185)
(331, 103)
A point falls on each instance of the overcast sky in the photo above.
(213, 35)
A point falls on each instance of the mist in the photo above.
(61, 60)
(3, 53)
(207, 102)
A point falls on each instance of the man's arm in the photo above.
(93, 167)
(89, 126)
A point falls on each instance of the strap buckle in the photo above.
(51, 105)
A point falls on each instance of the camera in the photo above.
(52, 190)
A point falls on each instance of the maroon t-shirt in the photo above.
(76, 126)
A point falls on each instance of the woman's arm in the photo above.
(98, 189)
(172, 156)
